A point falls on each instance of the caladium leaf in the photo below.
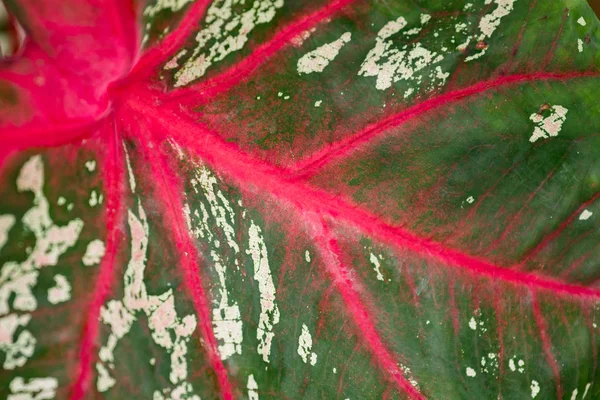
(284, 199)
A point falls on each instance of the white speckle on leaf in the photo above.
(162, 5)
(511, 365)
(93, 253)
(463, 46)
(585, 392)
(585, 215)
(90, 165)
(33, 389)
(376, 266)
(174, 62)
(470, 199)
(269, 312)
(307, 256)
(177, 148)
(411, 63)
(129, 169)
(580, 45)
(490, 22)
(489, 364)
(318, 59)
(305, 346)
(105, 381)
(535, 389)
(574, 395)
(167, 329)
(226, 316)
(334, 370)
(61, 291)
(225, 31)
(409, 376)
(220, 208)
(187, 215)
(581, 21)
(6, 223)
(252, 388)
(318, 103)
(20, 349)
(298, 40)
(94, 199)
(392, 28)
(470, 372)
(412, 31)
(472, 324)
(441, 75)
(549, 126)
(31, 176)
(17, 280)
(460, 27)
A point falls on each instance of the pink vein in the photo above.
(238, 72)
(339, 275)
(339, 150)
(546, 344)
(167, 187)
(517, 44)
(247, 171)
(556, 232)
(555, 41)
(113, 173)
(515, 218)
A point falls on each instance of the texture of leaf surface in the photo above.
(300, 199)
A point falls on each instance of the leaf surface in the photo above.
(279, 199)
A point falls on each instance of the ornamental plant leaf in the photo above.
(300, 199)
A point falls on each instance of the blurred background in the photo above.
(595, 5)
